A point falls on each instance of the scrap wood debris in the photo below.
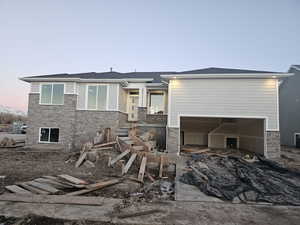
(11, 143)
(235, 179)
(62, 183)
(131, 147)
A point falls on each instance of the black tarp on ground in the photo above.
(230, 177)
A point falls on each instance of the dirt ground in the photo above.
(39, 220)
(290, 157)
(19, 165)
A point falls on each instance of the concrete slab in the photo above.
(185, 192)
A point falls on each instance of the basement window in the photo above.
(52, 94)
(49, 135)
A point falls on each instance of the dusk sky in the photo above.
(60, 36)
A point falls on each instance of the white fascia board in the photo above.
(79, 80)
(227, 75)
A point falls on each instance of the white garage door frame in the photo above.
(265, 119)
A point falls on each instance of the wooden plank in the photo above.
(94, 187)
(142, 169)
(80, 160)
(53, 183)
(104, 144)
(150, 177)
(71, 179)
(33, 189)
(64, 182)
(16, 189)
(113, 161)
(119, 145)
(59, 199)
(140, 213)
(102, 148)
(139, 141)
(161, 167)
(129, 163)
(42, 186)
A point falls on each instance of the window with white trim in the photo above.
(49, 135)
(156, 103)
(97, 97)
(52, 94)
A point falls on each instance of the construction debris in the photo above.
(11, 143)
(234, 179)
(53, 185)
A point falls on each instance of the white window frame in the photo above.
(41, 85)
(40, 129)
(149, 100)
(295, 134)
(87, 96)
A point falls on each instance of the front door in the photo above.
(133, 102)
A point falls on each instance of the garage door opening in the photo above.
(223, 133)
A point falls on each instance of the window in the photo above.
(97, 95)
(49, 134)
(52, 94)
(156, 103)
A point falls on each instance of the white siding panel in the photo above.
(70, 88)
(113, 96)
(224, 97)
(122, 99)
(81, 98)
(34, 87)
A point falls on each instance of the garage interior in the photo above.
(223, 133)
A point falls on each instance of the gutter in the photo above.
(224, 76)
(123, 82)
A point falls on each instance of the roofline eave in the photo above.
(227, 75)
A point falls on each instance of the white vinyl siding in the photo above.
(113, 97)
(70, 87)
(122, 100)
(224, 97)
(35, 87)
(81, 97)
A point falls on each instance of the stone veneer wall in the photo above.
(143, 117)
(89, 122)
(61, 116)
(273, 144)
(76, 126)
(172, 140)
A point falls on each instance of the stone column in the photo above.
(272, 144)
(173, 140)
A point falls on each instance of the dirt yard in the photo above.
(19, 165)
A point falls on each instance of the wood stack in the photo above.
(89, 151)
(47, 185)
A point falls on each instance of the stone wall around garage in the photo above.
(172, 140)
(272, 145)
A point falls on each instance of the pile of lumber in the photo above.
(11, 143)
(89, 152)
(63, 183)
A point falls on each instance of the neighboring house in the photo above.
(214, 107)
(289, 96)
